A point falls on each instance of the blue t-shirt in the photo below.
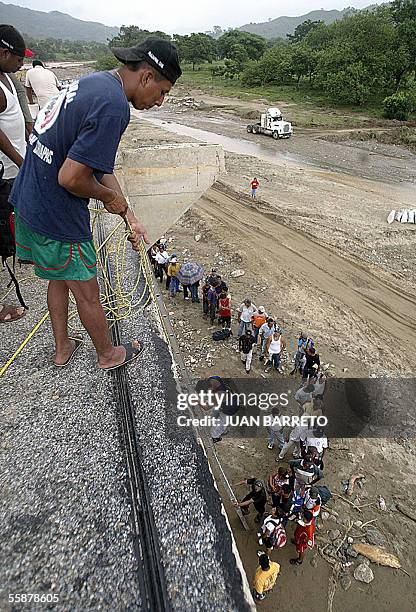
(84, 123)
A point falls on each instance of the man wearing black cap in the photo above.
(12, 124)
(257, 497)
(70, 159)
(12, 133)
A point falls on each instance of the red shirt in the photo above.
(224, 309)
(304, 537)
(254, 184)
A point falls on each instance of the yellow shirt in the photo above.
(265, 580)
(173, 269)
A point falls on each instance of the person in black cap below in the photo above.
(257, 497)
(70, 159)
(12, 132)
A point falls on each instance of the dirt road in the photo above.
(276, 249)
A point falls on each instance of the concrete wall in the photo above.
(163, 181)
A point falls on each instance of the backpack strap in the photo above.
(15, 282)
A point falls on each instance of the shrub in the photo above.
(397, 106)
(106, 62)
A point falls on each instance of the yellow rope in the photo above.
(121, 299)
(22, 346)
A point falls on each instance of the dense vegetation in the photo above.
(51, 49)
(367, 58)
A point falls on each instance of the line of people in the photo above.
(168, 266)
(255, 328)
(291, 489)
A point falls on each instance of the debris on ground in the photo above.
(377, 555)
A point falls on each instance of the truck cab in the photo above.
(272, 123)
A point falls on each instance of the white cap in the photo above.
(262, 309)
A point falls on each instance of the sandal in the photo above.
(11, 313)
(295, 562)
(132, 352)
(78, 343)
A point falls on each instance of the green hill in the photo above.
(281, 26)
(38, 24)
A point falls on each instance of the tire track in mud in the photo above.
(384, 308)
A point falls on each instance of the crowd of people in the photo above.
(291, 491)
(256, 330)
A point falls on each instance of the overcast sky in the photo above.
(185, 16)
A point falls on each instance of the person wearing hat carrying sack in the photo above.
(70, 159)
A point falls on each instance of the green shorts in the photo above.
(54, 260)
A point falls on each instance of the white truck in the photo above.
(272, 124)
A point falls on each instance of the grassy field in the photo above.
(306, 107)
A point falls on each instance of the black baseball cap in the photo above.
(159, 53)
(13, 41)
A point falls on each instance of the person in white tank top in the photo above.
(275, 346)
(12, 123)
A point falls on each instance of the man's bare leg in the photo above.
(91, 313)
(58, 299)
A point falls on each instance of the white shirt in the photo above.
(43, 82)
(302, 396)
(318, 443)
(299, 433)
(247, 313)
(12, 123)
(266, 330)
(162, 258)
(275, 346)
(319, 388)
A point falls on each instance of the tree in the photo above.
(196, 48)
(301, 61)
(55, 49)
(318, 38)
(132, 35)
(106, 62)
(230, 43)
(302, 30)
(273, 67)
(362, 57)
(350, 85)
(404, 17)
(397, 106)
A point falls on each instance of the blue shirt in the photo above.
(84, 123)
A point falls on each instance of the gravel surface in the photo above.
(64, 514)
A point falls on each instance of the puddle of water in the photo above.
(280, 157)
(232, 145)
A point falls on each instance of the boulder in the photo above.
(363, 573)
(333, 534)
(375, 537)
